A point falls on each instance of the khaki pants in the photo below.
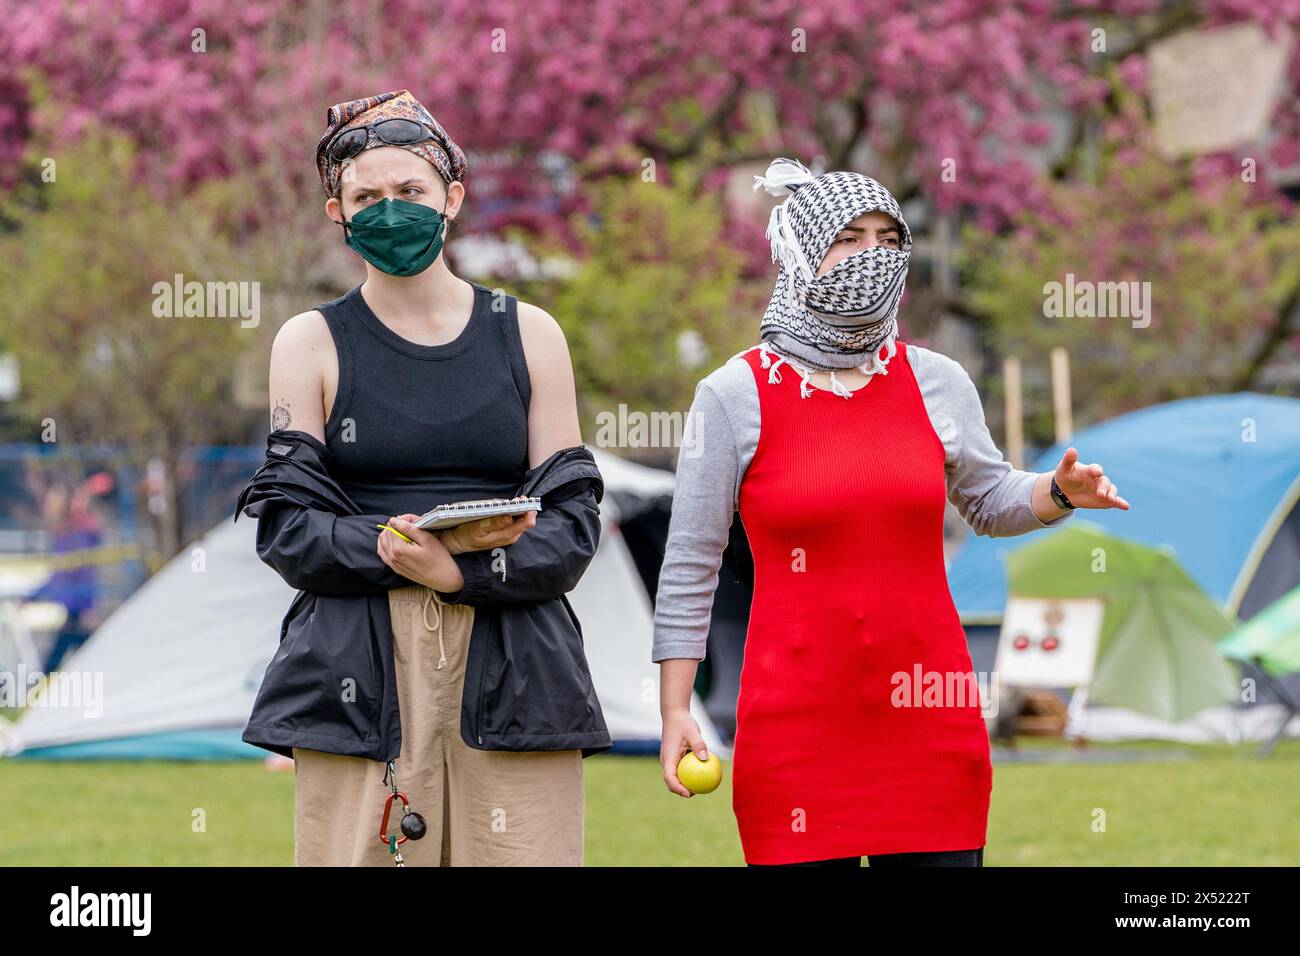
(482, 807)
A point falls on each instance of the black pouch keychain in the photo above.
(412, 826)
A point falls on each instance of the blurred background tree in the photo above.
(658, 300)
(1222, 257)
(97, 365)
(970, 111)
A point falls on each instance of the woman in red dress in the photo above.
(858, 727)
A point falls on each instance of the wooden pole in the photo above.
(1015, 424)
(1061, 404)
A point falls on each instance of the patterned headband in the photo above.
(440, 150)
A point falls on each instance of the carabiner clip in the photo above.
(383, 826)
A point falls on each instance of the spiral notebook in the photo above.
(459, 512)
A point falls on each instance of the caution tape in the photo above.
(80, 558)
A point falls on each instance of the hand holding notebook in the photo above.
(445, 517)
(459, 512)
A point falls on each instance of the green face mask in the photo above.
(397, 237)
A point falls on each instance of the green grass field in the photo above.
(1223, 806)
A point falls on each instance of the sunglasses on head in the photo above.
(394, 132)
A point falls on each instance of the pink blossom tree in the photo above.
(972, 109)
(917, 86)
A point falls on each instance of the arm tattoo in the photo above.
(280, 417)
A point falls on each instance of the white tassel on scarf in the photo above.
(782, 178)
(876, 365)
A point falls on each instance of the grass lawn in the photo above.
(1223, 806)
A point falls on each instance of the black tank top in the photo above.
(414, 426)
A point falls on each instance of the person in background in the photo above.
(71, 519)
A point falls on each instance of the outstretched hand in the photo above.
(1087, 485)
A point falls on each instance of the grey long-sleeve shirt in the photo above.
(722, 429)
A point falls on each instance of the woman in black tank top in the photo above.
(488, 676)
(414, 426)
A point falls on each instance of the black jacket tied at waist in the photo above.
(331, 685)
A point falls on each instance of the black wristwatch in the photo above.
(1059, 496)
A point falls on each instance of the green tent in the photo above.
(1270, 639)
(1156, 653)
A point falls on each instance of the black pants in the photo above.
(936, 858)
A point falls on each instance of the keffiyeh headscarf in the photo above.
(441, 150)
(846, 318)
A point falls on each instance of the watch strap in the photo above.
(1059, 496)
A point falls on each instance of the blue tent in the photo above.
(1215, 478)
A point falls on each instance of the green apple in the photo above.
(699, 776)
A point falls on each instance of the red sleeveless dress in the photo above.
(843, 505)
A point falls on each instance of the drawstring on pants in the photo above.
(430, 593)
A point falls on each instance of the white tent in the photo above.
(173, 672)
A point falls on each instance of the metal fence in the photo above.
(118, 534)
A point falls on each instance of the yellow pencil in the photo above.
(395, 531)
